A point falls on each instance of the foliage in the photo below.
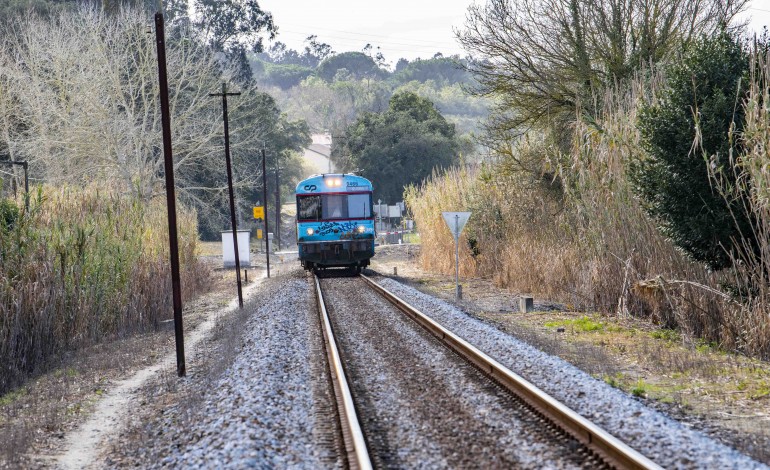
(349, 65)
(699, 105)
(398, 147)
(84, 265)
(9, 215)
(232, 24)
(442, 70)
(283, 76)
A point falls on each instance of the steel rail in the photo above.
(610, 448)
(355, 445)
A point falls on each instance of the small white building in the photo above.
(228, 251)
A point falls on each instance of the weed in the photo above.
(584, 324)
(640, 389)
(10, 397)
(614, 380)
(704, 347)
(672, 336)
(762, 390)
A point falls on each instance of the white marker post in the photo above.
(456, 221)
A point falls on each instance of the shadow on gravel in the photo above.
(335, 272)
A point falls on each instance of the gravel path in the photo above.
(423, 406)
(662, 439)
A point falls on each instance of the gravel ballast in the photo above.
(260, 413)
(423, 406)
(660, 438)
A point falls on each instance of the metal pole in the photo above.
(224, 95)
(26, 185)
(457, 257)
(165, 111)
(264, 198)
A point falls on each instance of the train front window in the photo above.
(309, 207)
(359, 206)
(335, 207)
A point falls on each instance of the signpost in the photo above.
(259, 212)
(456, 221)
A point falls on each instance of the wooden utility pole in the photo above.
(224, 96)
(264, 198)
(277, 204)
(165, 112)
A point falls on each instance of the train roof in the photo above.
(333, 183)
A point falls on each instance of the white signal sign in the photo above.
(456, 221)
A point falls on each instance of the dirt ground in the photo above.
(723, 394)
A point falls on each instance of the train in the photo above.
(335, 222)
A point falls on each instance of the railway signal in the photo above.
(456, 221)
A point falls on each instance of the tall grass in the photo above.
(83, 265)
(574, 232)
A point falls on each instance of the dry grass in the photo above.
(85, 264)
(573, 232)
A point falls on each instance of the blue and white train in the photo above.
(335, 221)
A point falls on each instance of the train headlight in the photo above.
(310, 231)
(335, 183)
(361, 229)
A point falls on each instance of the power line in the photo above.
(355, 42)
(427, 42)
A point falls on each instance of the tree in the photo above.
(445, 71)
(358, 64)
(316, 51)
(545, 58)
(78, 100)
(398, 147)
(701, 102)
(234, 27)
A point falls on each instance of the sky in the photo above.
(401, 28)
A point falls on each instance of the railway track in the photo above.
(586, 444)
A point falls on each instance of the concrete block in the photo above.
(526, 304)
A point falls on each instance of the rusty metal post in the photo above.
(224, 96)
(264, 197)
(173, 243)
(25, 165)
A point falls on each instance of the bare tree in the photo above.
(541, 58)
(84, 106)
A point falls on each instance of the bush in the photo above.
(700, 103)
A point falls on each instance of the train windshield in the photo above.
(334, 206)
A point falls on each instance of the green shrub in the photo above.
(701, 102)
(9, 214)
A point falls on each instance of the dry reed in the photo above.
(592, 246)
(83, 265)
